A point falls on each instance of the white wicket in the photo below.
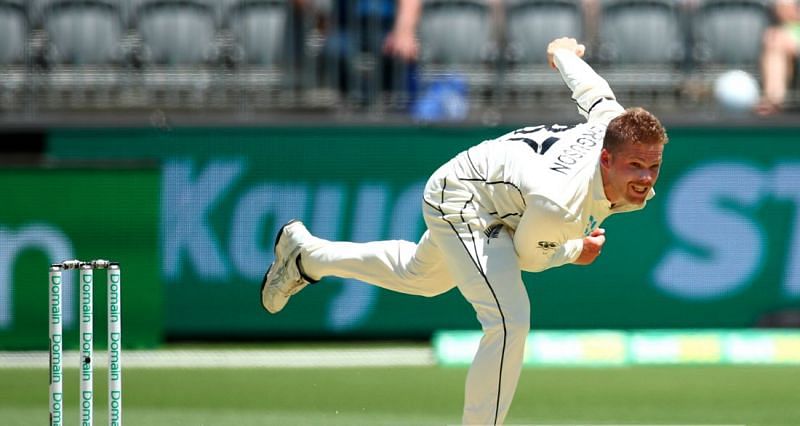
(86, 341)
(56, 341)
(114, 346)
(86, 350)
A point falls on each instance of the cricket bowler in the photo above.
(530, 200)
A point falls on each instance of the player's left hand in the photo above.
(592, 246)
(567, 43)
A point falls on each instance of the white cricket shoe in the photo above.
(285, 278)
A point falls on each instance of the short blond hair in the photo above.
(635, 125)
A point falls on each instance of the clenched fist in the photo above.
(592, 246)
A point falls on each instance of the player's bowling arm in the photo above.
(595, 99)
(542, 238)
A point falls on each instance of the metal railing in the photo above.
(326, 55)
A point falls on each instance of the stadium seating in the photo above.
(641, 32)
(455, 32)
(83, 53)
(179, 51)
(177, 32)
(641, 47)
(459, 37)
(530, 26)
(258, 29)
(14, 29)
(257, 33)
(727, 33)
(68, 54)
(13, 32)
(81, 32)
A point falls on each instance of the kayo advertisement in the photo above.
(718, 247)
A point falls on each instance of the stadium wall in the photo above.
(719, 246)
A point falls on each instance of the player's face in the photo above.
(630, 173)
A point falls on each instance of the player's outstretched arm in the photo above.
(595, 99)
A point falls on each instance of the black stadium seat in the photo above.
(455, 32)
(459, 36)
(729, 32)
(82, 53)
(84, 32)
(648, 32)
(179, 51)
(14, 32)
(177, 32)
(259, 29)
(642, 47)
(530, 26)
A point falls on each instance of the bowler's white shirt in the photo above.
(544, 182)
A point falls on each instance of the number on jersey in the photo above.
(540, 138)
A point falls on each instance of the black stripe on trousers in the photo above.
(494, 295)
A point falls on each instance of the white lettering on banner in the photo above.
(186, 203)
(721, 249)
(329, 209)
(406, 220)
(249, 250)
(726, 246)
(356, 300)
(45, 238)
(190, 197)
(786, 184)
(326, 221)
(405, 223)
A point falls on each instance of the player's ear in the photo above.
(605, 158)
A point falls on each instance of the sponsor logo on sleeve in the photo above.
(547, 245)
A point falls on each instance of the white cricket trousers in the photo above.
(464, 246)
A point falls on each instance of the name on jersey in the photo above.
(570, 154)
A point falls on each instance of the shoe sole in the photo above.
(274, 251)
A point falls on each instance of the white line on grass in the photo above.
(238, 358)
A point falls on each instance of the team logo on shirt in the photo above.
(493, 231)
(590, 226)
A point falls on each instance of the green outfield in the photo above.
(696, 395)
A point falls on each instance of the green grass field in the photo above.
(421, 396)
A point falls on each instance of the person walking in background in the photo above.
(780, 52)
(531, 200)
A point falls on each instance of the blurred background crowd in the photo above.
(428, 60)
